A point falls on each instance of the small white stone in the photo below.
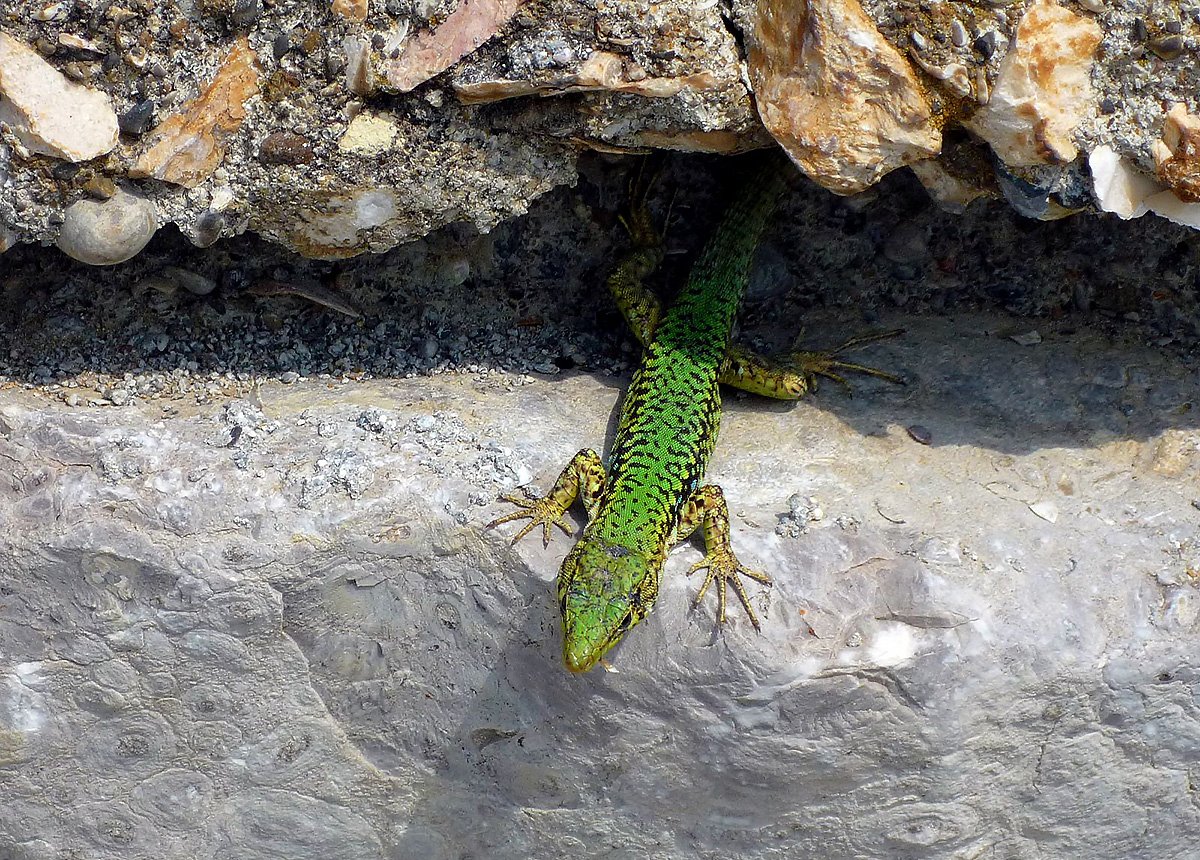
(1028, 338)
(1046, 510)
(958, 34)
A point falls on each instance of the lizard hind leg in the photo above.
(706, 508)
(640, 307)
(583, 479)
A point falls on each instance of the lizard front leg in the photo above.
(582, 479)
(795, 375)
(707, 507)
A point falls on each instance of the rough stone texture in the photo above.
(49, 114)
(248, 610)
(1043, 90)
(294, 639)
(492, 103)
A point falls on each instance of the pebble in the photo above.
(920, 433)
(102, 233)
(208, 229)
(986, 44)
(958, 34)
(288, 377)
(285, 148)
(1028, 338)
(1168, 47)
(138, 119)
(907, 245)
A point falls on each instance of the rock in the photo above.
(285, 148)
(48, 113)
(1043, 91)
(102, 233)
(354, 11)
(430, 53)
(1122, 189)
(369, 134)
(803, 56)
(189, 145)
(1177, 154)
(202, 660)
(851, 90)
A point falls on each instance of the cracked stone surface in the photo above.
(274, 626)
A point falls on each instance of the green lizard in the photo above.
(651, 497)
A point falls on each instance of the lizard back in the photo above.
(672, 410)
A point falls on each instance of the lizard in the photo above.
(650, 496)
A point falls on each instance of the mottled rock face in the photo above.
(239, 115)
(274, 627)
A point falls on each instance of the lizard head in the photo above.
(603, 590)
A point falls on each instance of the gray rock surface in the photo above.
(273, 626)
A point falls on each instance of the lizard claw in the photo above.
(826, 363)
(724, 568)
(541, 511)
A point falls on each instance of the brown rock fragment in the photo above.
(189, 145)
(600, 71)
(843, 103)
(285, 148)
(1177, 155)
(432, 52)
(1043, 90)
(351, 10)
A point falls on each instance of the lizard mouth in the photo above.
(580, 654)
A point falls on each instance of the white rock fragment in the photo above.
(48, 113)
(1046, 510)
(1027, 338)
(1043, 90)
(1122, 189)
(104, 232)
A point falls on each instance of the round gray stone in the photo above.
(104, 232)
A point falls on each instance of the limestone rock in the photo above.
(1043, 92)
(104, 232)
(188, 146)
(215, 649)
(843, 103)
(1125, 191)
(48, 113)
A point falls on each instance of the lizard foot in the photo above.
(811, 364)
(725, 569)
(541, 511)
